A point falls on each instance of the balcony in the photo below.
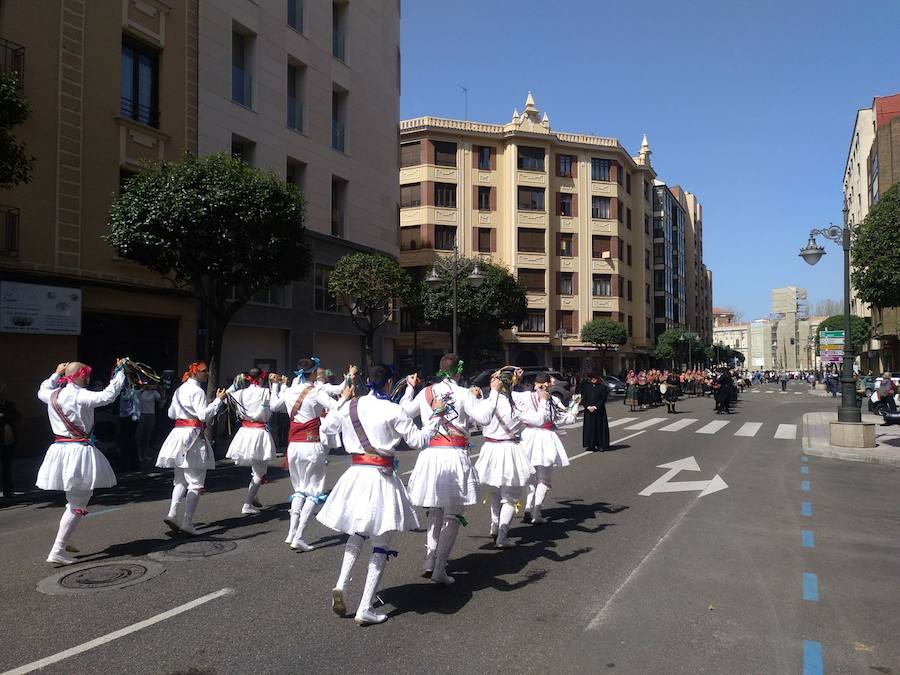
(9, 231)
(12, 61)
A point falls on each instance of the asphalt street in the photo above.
(784, 565)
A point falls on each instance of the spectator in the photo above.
(9, 417)
(147, 402)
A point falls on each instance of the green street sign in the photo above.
(830, 334)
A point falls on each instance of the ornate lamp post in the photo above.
(560, 335)
(812, 253)
(475, 278)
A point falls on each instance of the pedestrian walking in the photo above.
(784, 380)
(9, 418)
(594, 393)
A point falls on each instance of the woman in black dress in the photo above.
(672, 392)
(594, 393)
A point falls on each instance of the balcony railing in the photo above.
(12, 62)
(134, 110)
(9, 231)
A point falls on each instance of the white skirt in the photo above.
(74, 466)
(543, 447)
(307, 463)
(367, 501)
(251, 445)
(185, 448)
(503, 464)
(443, 478)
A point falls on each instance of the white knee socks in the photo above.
(296, 507)
(529, 500)
(251, 492)
(376, 569)
(432, 536)
(445, 545)
(308, 505)
(495, 512)
(190, 506)
(67, 525)
(177, 495)
(351, 554)
(506, 514)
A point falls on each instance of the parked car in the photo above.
(868, 384)
(561, 390)
(616, 386)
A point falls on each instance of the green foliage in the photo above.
(876, 242)
(368, 284)
(859, 330)
(669, 346)
(15, 163)
(604, 334)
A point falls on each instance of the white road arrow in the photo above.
(664, 483)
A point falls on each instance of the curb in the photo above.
(871, 456)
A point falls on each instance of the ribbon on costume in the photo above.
(81, 513)
(301, 374)
(462, 521)
(192, 370)
(318, 499)
(445, 374)
(387, 552)
(84, 371)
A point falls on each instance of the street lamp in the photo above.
(475, 279)
(560, 335)
(812, 253)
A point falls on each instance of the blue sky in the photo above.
(750, 105)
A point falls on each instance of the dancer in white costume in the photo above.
(185, 449)
(252, 445)
(444, 480)
(503, 468)
(72, 463)
(306, 455)
(369, 500)
(542, 445)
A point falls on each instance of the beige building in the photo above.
(698, 278)
(569, 214)
(761, 351)
(734, 335)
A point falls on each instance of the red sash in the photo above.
(66, 439)
(79, 435)
(451, 441)
(197, 424)
(250, 424)
(500, 440)
(305, 432)
(373, 460)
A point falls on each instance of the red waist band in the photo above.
(197, 424)
(451, 441)
(374, 460)
(305, 432)
(546, 425)
(501, 440)
(66, 439)
(250, 424)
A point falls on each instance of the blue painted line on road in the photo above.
(812, 657)
(100, 513)
(810, 587)
(804, 470)
(809, 538)
(805, 508)
(805, 486)
(804, 459)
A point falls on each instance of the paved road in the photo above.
(795, 563)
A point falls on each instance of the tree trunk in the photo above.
(215, 333)
(370, 342)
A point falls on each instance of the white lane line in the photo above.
(711, 428)
(770, 391)
(679, 425)
(749, 429)
(787, 431)
(798, 393)
(590, 452)
(115, 635)
(100, 513)
(620, 421)
(646, 423)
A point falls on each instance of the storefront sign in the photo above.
(33, 308)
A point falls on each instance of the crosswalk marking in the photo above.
(679, 425)
(748, 429)
(646, 423)
(770, 391)
(798, 393)
(711, 428)
(787, 431)
(623, 420)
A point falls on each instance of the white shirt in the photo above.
(252, 402)
(331, 389)
(147, 401)
(316, 402)
(384, 422)
(495, 413)
(189, 403)
(533, 408)
(77, 403)
(462, 399)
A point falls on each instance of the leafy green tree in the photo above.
(668, 347)
(859, 330)
(15, 163)
(216, 227)
(876, 241)
(604, 334)
(369, 285)
(498, 304)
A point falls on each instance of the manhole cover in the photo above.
(195, 550)
(97, 577)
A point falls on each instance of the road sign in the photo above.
(665, 484)
(839, 342)
(832, 359)
(830, 333)
(831, 352)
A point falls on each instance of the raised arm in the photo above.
(529, 415)
(98, 399)
(415, 437)
(482, 410)
(47, 387)
(332, 422)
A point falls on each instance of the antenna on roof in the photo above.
(466, 97)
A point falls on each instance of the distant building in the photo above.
(734, 335)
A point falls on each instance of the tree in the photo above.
(828, 307)
(369, 285)
(859, 330)
(499, 303)
(876, 275)
(15, 163)
(216, 227)
(604, 334)
(668, 347)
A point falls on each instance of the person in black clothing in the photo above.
(594, 393)
(9, 417)
(672, 392)
(724, 385)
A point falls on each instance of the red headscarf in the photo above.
(192, 370)
(84, 371)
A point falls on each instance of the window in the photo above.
(531, 199)
(241, 79)
(339, 30)
(295, 173)
(567, 321)
(338, 119)
(295, 97)
(325, 301)
(530, 159)
(601, 246)
(628, 292)
(531, 240)
(566, 244)
(444, 153)
(295, 14)
(484, 157)
(139, 95)
(647, 327)
(410, 154)
(628, 218)
(630, 327)
(410, 238)
(338, 205)
(277, 296)
(444, 237)
(647, 293)
(647, 190)
(600, 207)
(601, 285)
(565, 204)
(620, 210)
(533, 280)
(599, 169)
(565, 283)
(646, 224)
(242, 149)
(484, 240)
(445, 195)
(602, 315)
(659, 254)
(628, 257)
(533, 322)
(628, 183)
(484, 198)
(410, 195)
(619, 173)
(564, 165)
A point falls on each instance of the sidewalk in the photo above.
(816, 440)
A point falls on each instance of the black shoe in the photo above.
(526, 518)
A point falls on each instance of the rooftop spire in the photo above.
(644, 155)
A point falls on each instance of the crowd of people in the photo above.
(651, 388)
